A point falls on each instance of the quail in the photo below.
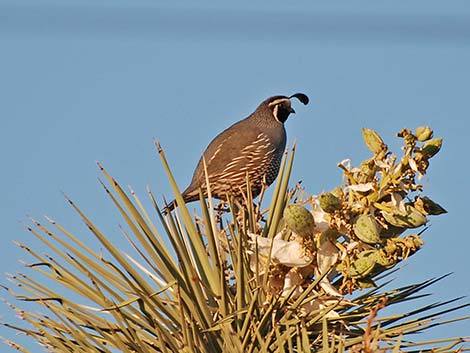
(253, 146)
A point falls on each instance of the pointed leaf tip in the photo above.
(99, 165)
(159, 146)
(49, 219)
(67, 197)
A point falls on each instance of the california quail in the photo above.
(252, 146)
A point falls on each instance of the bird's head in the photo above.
(280, 106)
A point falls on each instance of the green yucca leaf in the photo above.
(194, 238)
(280, 197)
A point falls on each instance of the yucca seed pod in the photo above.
(425, 204)
(411, 218)
(391, 232)
(367, 229)
(431, 147)
(329, 202)
(423, 133)
(363, 265)
(299, 220)
(373, 141)
(383, 260)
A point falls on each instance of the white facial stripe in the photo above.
(278, 101)
(275, 111)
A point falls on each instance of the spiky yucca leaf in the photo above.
(195, 288)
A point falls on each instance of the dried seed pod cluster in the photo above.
(381, 199)
(362, 222)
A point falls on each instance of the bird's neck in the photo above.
(264, 120)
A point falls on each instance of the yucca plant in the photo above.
(308, 273)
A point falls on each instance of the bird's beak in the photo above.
(291, 110)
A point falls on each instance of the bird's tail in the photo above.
(189, 195)
(168, 207)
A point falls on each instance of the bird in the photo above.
(253, 146)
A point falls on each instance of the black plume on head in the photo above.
(301, 97)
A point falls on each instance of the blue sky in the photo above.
(83, 81)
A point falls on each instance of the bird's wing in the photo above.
(234, 152)
(247, 158)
